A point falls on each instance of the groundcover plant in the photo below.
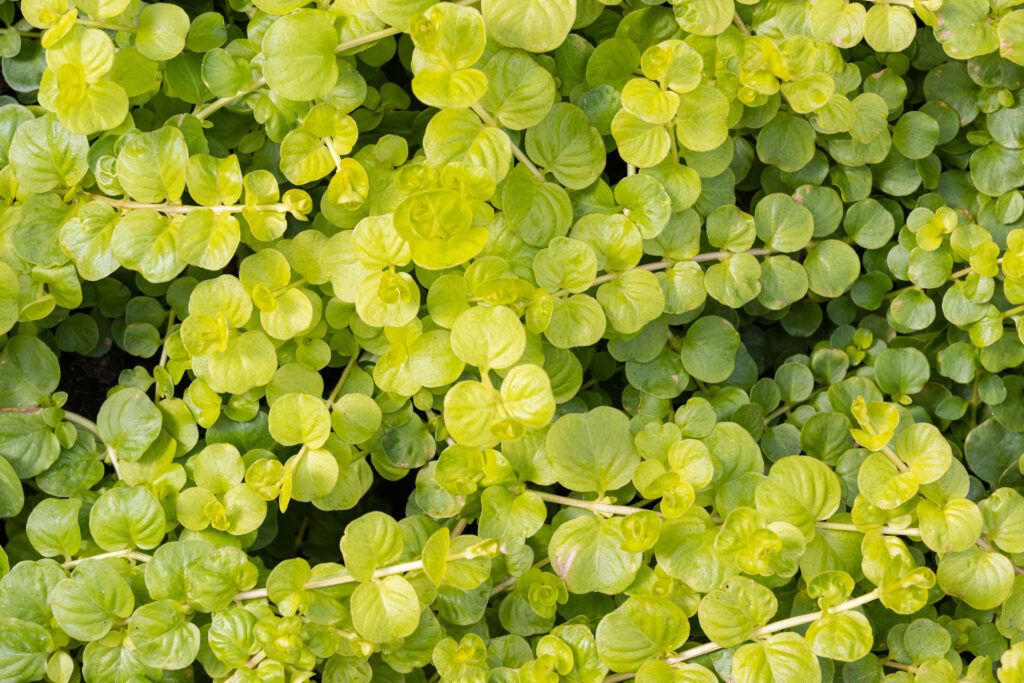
(512, 341)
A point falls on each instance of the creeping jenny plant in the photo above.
(512, 341)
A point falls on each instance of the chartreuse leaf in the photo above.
(488, 337)
(129, 423)
(369, 543)
(640, 629)
(163, 28)
(534, 26)
(87, 604)
(704, 19)
(385, 609)
(877, 420)
(151, 166)
(981, 579)
(592, 451)
(587, 554)
(45, 155)
(565, 144)
(708, 349)
(24, 648)
(299, 419)
(299, 50)
(127, 518)
(509, 517)
(703, 122)
(782, 657)
(729, 614)
(53, 527)
(844, 637)
(799, 490)
(13, 493)
(163, 636)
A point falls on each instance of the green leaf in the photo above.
(658, 671)
(45, 155)
(779, 658)
(916, 135)
(13, 498)
(587, 553)
(735, 280)
(519, 91)
(169, 572)
(535, 26)
(844, 637)
(640, 143)
(709, 349)
(99, 657)
(163, 636)
(631, 300)
(249, 360)
(592, 451)
(52, 527)
(703, 121)
(952, 527)
(565, 263)
(9, 309)
(1000, 515)
(31, 372)
(786, 142)
(704, 18)
(28, 444)
(783, 224)
(509, 517)
(87, 239)
(981, 579)
(231, 636)
(730, 613)
(129, 423)
(127, 518)
(539, 213)
(163, 28)
(371, 542)
(566, 145)
(24, 648)
(832, 268)
(151, 166)
(799, 490)
(889, 28)
(87, 605)
(648, 102)
(490, 338)
(641, 628)
(299, 419)
(838, 22)
(299, 50)
(575, 321)
(385, 609)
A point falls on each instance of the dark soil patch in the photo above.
(86, 380)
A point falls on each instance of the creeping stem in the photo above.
(516, 151)
(83, 422)
(655, 266)
(596, 506)
(218, 104)
(90, 426)
(401, 568)
(181, 208)
(783, 625)
(129, 554)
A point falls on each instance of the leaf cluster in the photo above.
(512, 341)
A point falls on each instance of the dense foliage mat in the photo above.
(517, 341)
